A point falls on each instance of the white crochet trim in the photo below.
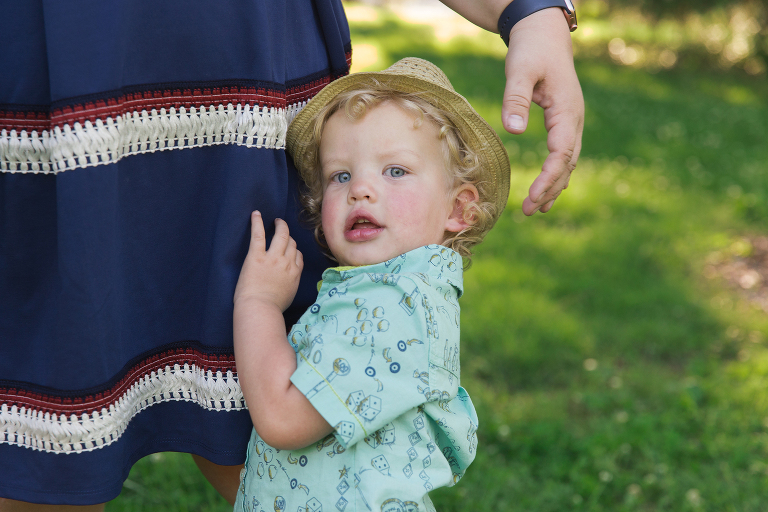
(89, 144)
(50, 433)
(293, 110)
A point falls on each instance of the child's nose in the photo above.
(361, 188)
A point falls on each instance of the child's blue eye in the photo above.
(342, 177)
(395, 172)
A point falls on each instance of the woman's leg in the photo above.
(225, 479)
(7, 505)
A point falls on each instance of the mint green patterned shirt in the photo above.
(378, 357)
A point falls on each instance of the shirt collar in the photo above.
(436, 262)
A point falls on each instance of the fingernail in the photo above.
(538, 199)
(256, 212)
(516, 122)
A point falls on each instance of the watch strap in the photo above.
(520, 9)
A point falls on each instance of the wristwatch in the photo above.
(519, 9)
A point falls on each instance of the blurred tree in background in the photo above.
(663, 34)
(670, 33)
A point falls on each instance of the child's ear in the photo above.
(461, 216)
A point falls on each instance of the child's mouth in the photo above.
(361, 230)
(364, 224)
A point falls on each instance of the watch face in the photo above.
(569, 4)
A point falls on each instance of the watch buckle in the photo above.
(570, 17)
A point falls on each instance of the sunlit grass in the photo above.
(613, 367)
(728, 37)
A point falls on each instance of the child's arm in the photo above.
(281, 414)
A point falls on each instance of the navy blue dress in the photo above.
(135, 140)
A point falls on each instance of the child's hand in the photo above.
(270, 276)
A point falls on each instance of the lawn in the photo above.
(616, 348)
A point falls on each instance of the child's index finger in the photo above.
(258, 237)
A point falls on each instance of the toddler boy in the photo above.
(362, 410)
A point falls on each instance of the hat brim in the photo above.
(476, 132)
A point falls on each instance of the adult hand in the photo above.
(539, 67)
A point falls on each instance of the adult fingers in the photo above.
(518, 92)
(564, 143)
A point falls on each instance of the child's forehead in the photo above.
(398, 113)
(388, 123)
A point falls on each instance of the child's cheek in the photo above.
(407, 207)
(329, 215)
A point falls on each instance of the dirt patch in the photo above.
(745, 268)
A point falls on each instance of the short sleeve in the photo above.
(457, 437)
(366, 360)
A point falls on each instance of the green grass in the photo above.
(608, 372)
(167, 482)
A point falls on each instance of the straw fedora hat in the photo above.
(414, 75)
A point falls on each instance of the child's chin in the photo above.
(364, 260)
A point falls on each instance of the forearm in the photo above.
(281, 414)
(265, 361)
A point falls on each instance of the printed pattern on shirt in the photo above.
(378, 357)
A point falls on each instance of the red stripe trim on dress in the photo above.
(51, 403)
(167, 98)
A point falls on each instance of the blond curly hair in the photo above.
(462, 163)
